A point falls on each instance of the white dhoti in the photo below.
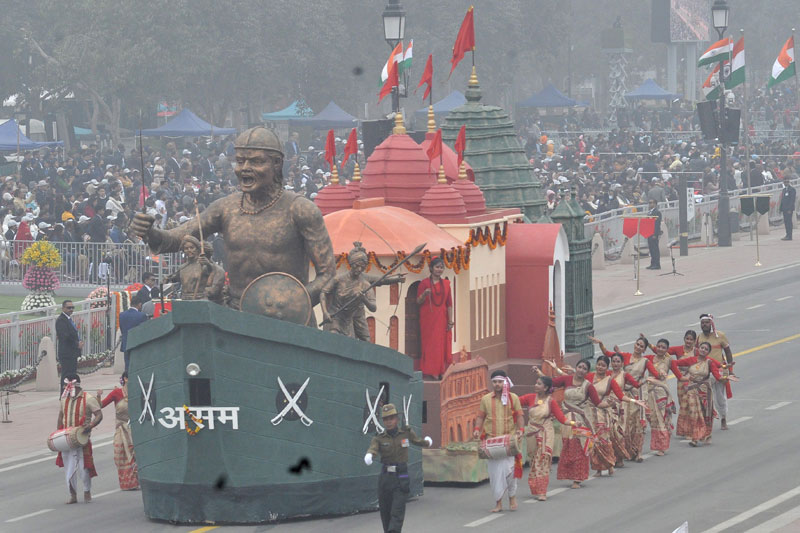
(501, 477)
(720, 399)
(73, 467)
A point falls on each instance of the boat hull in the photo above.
(299, 397)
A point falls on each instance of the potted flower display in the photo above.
(40, 278)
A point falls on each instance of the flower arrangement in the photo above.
(134, 288)
(99, 292)
(40, 278)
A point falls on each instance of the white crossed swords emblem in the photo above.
(292, 405)
(373, 417)
(407, 407)
(146, 397)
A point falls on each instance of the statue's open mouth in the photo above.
(248, 180)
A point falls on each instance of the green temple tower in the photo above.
(502, 170)
(579, 315)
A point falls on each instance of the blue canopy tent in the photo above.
(186, 124)
(650, 90)
(441, 108)
(550, 97)
(288, 113)
(8, 139)
(332, 116)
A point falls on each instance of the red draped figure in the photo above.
(435, 303)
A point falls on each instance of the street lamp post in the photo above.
(394, 30)
(719, 17)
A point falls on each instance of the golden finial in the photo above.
(334, 175)
(356, 173)
(442, 177)
(473, 78)
(462, 171)
(399, 127)
(431, 120)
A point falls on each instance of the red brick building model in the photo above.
(462, 387)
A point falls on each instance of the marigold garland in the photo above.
(456, 259)
(479, 236)
(198, 425)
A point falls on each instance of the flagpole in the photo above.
(746, 168)
(796, 82)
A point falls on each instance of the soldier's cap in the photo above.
(388, 410)
(259, 138)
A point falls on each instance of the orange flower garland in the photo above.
(198, 425)
(478, 236)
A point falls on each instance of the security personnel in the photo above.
(393, 483)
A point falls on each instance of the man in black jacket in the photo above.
(788, 201)
(652, 241)
(69, 342)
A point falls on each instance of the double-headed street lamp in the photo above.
(719, 17)
(394, 30)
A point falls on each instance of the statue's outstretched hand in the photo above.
(141, 224)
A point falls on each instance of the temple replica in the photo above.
(508, 278)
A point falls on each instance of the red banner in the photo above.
(646, 226)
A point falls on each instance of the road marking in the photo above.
(778, 522)
(106, 493)
(476, 523)
(768, 345)
(48, 458)
(693, 291)
(29, 515)
(726, 315)
(753, 307)
(203, 529)
(662, 333)
(738, 420)
(783, 298)
(777, 406)
(741, 517)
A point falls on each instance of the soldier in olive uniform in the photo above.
(393, 483)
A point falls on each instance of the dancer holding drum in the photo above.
(80, 413)
(501, 416)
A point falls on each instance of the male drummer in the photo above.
(78, 408)
(721, 353)
(499, 411)
(265, 227)
(393, 483)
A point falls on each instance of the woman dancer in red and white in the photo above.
(699, 393)
(659, 399)
(540, 434)
(602, 455)
(626, 382)
(636, 364)
(578, 392)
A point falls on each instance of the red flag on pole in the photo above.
(391, 81)
(465, 40)
(427, 77)
(461, 143)
(351, 148)
(435, 148)
(330, 149)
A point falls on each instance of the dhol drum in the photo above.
(500, 447)
(67, 439)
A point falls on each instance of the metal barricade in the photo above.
(21, 332)
(89, 264)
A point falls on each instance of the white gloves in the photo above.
(368, 459)
(428, 441)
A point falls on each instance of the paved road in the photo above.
(748, 478)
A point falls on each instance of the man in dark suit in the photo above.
(149, 291)
(129, 319)
(788, 201)
(69, 342)
(652, 241)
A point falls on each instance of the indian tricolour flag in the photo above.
(391, 63)
(397, 59)
(737, 65)
(719, 51)
(711, 85)
(784, 68)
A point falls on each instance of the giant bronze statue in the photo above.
(266, 229)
